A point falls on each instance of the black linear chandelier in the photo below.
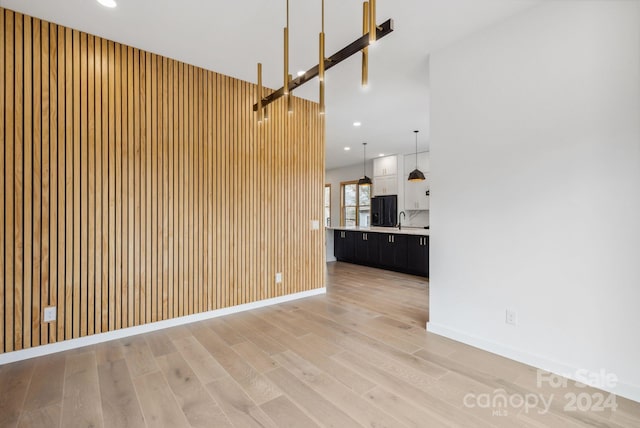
(370, 33)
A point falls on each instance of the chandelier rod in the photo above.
(351, 49)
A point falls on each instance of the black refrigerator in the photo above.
(384, 211)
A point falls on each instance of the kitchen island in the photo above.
(403, 249)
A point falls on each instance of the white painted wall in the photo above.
(339, 175)
(535, 155)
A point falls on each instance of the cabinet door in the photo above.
(344, 245)
(385, 185)
(387, 165)
(418, 255)
(366, 247)
(392, 251)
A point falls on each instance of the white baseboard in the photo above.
(632, 392)
(66, 345)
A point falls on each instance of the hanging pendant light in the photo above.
(416, 174)
(364, 179)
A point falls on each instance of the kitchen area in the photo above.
(381, 222)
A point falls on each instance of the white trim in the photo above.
(632, 392)
(66, 345)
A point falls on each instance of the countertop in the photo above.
(406, 230)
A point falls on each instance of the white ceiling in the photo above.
(230, 37)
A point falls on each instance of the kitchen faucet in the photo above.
(400, 219)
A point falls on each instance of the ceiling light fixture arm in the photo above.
(353, 48)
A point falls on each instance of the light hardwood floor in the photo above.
(358, 356)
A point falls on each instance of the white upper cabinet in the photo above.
(385, 185)
(385, 176)
(415, 192)
(387, 165)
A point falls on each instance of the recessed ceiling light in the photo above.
(356, 124)
(347, 148)
(108, 3)
(381, 154)
(301, 72)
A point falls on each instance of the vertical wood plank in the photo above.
(144, 267)
(197, 234)
(118, 185)
(27, 178)
(98, 208)
(210, 191)
(46, 180)
(181, 191)
(9, 179)
(201, 194)
(67, 295)
(148, 178)
(74, 235)
(176, 207)
(111, 143)
(18, 185)
(124, 160)
(61, 184)
(190, 187)
(2, 188)
(205, 198)
(80, 165)
(54, 222)
(105, 277)
(37, 184)
(154, 188)
(218, 181)
(169, 181)
(164, 174)
(137, 266)
(90, 174)
(130, 191)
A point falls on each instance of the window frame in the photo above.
(357, 206)
(328, 185)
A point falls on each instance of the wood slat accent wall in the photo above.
(135, 188)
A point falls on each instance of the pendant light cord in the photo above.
(416, 149)
(364, 160)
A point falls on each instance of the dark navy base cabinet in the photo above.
(397, 252)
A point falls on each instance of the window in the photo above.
(355, 204)
(327, 205)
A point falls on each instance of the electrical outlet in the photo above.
(315, 225)
(49, 314)
(511, 317)
(278, 277)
